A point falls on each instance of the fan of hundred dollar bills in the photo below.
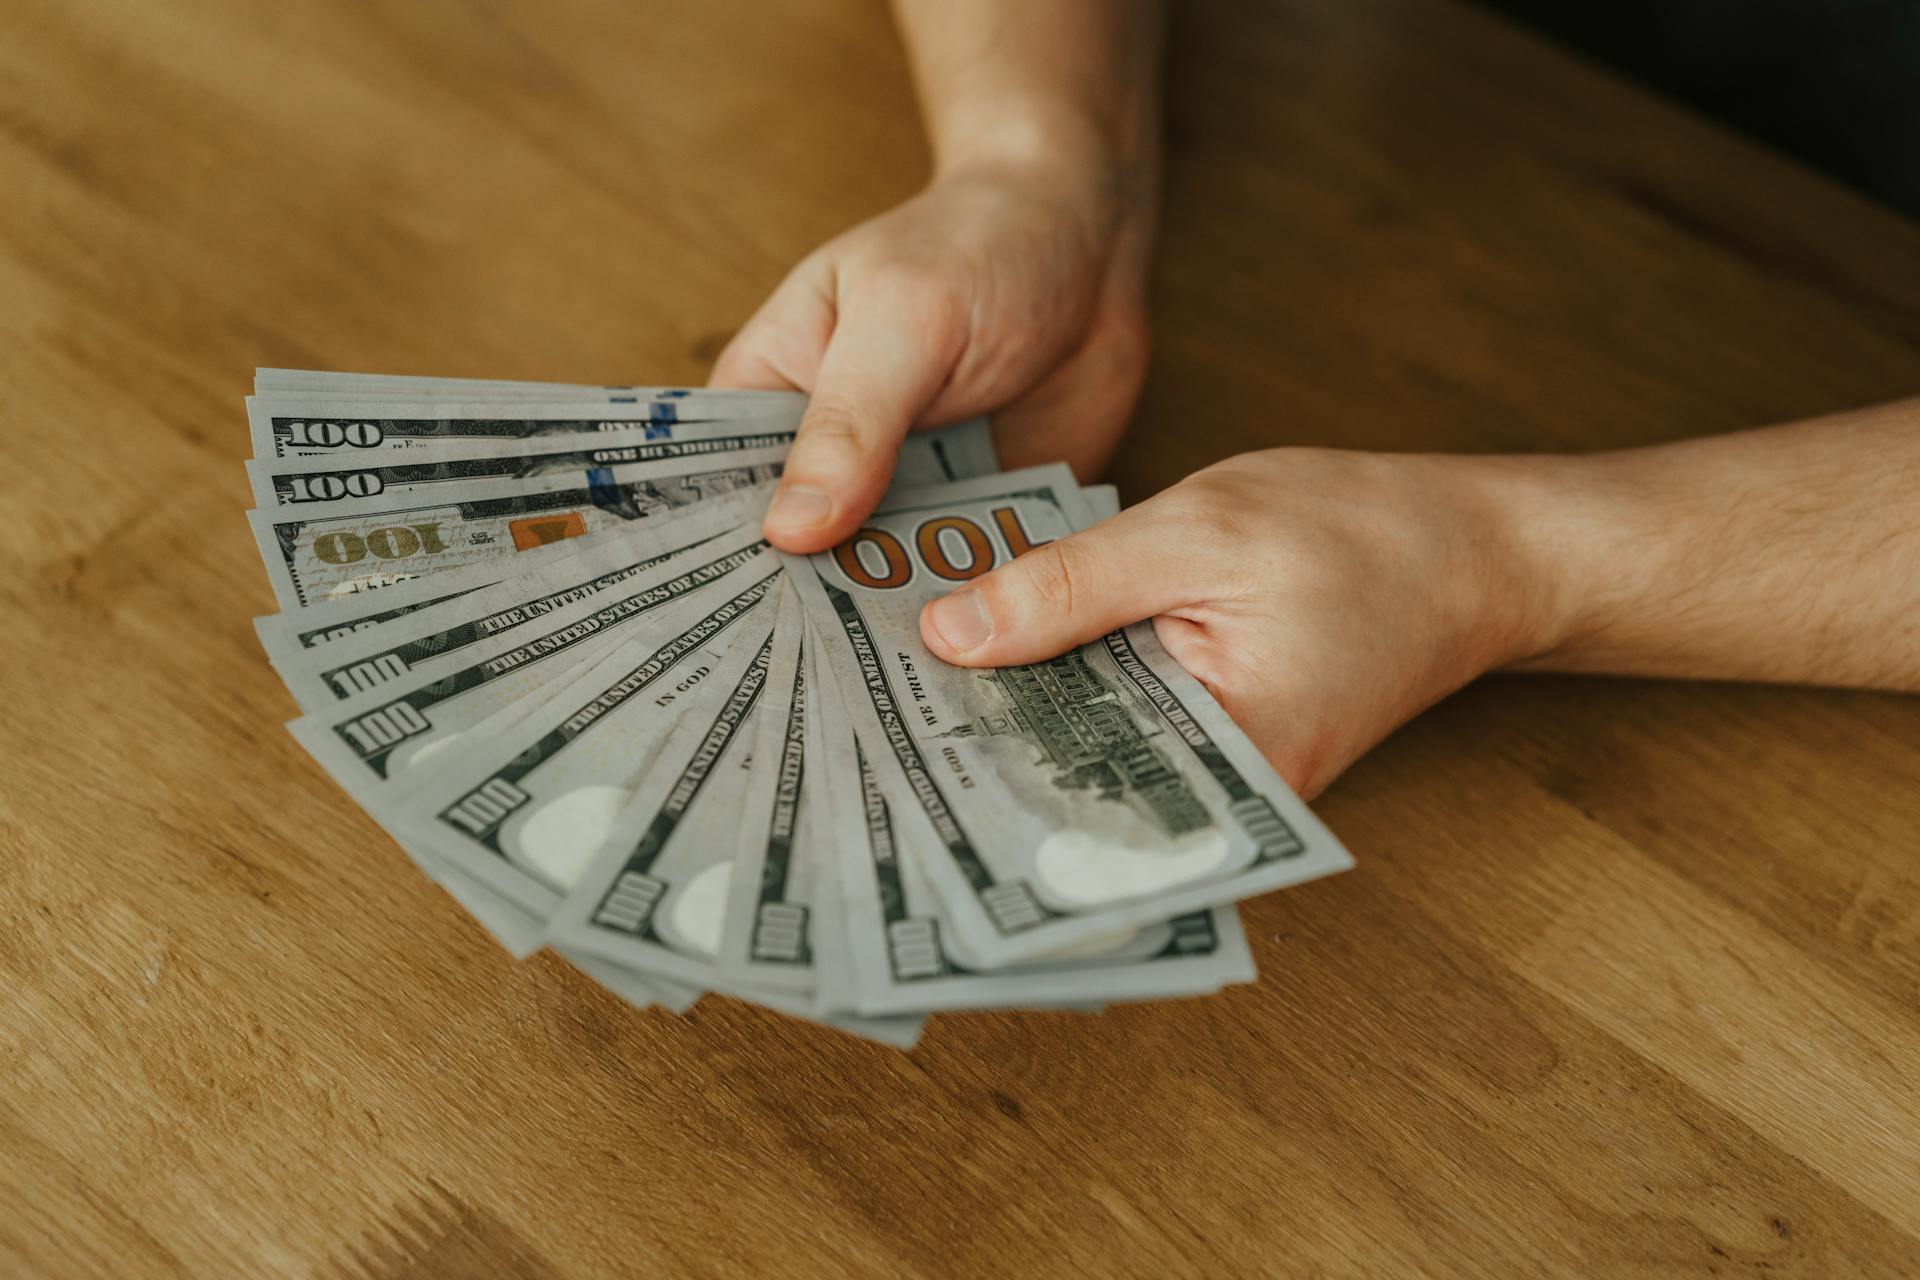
(534, 631)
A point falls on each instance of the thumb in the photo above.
(1063, 594)
(878, 373)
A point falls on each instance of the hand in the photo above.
(1016, 287)
(1322, 597)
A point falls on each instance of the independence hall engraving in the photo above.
(1079, 723)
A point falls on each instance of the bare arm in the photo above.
(1790, 553)
(1326, 596)
(1074, 82)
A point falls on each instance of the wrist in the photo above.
(1109, 168)
(1528, 519)
(1578, 550)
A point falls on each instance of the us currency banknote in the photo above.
(654, 899)
(521, 808)
(518, 931)
(904, 957)
(330, 550)
(900, 956)
(1074, 799)
(704, 828)
(531, 618)
(370, 740)
(1102, 500)
(415, 473)
(322, 550)
(535, 632)
(373, 476)
(339, 619)
(346, 621)
(333, 620)
(294, 427)
(780, 876)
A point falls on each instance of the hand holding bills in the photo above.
(535, 632)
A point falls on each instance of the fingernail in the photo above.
(961, 619)
(799, 506)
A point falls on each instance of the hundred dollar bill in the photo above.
(376, 479)
(769, 937)
(522, 932)
(904, 958)
(529, 618)
(654, 899)
(675, 996)
(520, 809)
(416, 474)
(892, 952)
(323, 552)
(1069, 800)
(320, 552)
(294, 637)
(368, 741)
(288, 428)
(428, 474)
(517, 930)
(331, 621)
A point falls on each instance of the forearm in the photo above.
(1785, 554)
(1072, 83)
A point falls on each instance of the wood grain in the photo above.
(1628, 979)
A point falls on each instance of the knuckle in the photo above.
(1052, 578)
(833, 425)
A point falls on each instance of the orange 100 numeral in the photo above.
(951, 547)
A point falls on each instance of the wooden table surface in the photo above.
(1627, 981)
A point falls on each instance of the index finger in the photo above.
(883, 365)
